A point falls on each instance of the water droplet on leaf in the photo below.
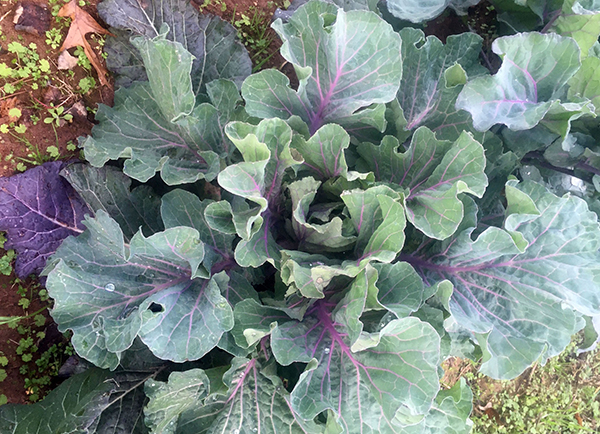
(326, 350)
(109, 287)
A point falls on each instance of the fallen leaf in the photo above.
(66, 61)
(81, 24)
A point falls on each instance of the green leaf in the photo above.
(253, 399)
(136, 130)
(108, 189)
(323, 153)
(345, 61)
(379, 221)
(535, 70)
(433, 172)
(90, 402)
(418, 11)
(522, 289)
(108, 292)
(586, 82)
(315, 237)
(364, 390)
(212, 42)
(581, 21)
(426, 95)
(167, 400)
(267, 154)
(399, 288)
(168, 66)
(449, 413)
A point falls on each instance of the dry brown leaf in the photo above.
(81, 24)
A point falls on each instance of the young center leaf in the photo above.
(433, 172)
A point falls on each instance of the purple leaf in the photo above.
(38, 210)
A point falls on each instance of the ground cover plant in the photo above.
(237, 255)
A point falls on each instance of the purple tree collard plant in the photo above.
(305, 259)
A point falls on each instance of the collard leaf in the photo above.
(254, 321)
(267, 154)
(168, 67)
(109, 292)
(581, 21)
(379, 221)
(253, 400)
(425, 95)
(135, 129)
(211, 41)
(342, 67)
(433, 172)
(419, 11)
(531, 80)
(524, 288)
(89, 402)
(38, 210)
(167, 400)
(323, 153)
(399, 288)
(108, 189)
(449, 413)
(586, 82)
(315, 237)
(182, 208)
(364, 390)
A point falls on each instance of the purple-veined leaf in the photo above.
(427, 95)
(108, 189)
(522, 289)
(342, 67)
(108, 292)
(433, 172)
(211, 40)
(158, 128)
(252, 399)
(267, 154)
(366, 390)
(38, 210)
(535, 70)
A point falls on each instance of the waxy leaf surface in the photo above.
(535, 69)
(523, 288)
(108, 189)
(253, 399)
(342, 67)
(433, 172)
(363, 389)
(109, 292)
(212, 41)
(426, 95)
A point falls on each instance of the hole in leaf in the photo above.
(156, 308)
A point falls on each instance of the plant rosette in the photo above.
(303, 260)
